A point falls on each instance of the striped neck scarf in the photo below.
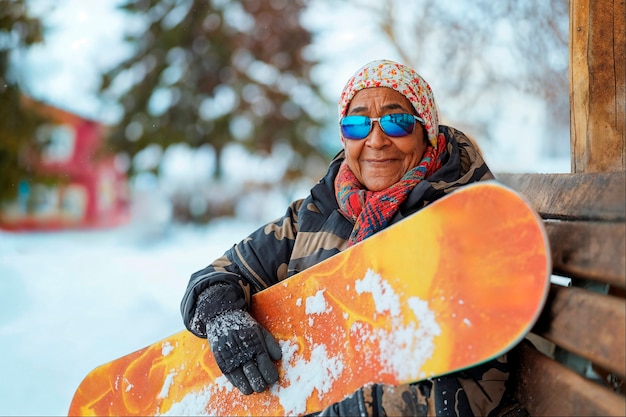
(372, 211)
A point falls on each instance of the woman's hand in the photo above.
(243, 350)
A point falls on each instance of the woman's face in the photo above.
(379, 161)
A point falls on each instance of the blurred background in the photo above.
(204, 108)
(141, 138)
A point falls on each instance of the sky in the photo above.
(83, 38)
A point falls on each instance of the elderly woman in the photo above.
(396, 159)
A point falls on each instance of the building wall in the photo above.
(91, 191)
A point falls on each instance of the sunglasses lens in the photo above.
(394, 125)
(397, 125)
(355, 127)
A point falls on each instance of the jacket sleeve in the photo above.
(257, 262)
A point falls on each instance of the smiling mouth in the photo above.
(380, 161)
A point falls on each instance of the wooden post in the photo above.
(598, 85)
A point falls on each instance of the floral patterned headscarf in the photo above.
(406, 81)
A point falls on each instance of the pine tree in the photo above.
(18, 144)
(210, 72)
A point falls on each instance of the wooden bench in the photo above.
(576, 364)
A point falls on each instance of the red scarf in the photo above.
(371, 211)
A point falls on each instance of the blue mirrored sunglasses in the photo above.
(394, 125)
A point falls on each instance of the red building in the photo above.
(92, 190)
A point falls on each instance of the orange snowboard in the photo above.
(458, 283)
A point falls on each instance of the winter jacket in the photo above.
(312, 230)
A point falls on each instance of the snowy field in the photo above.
(70, 301)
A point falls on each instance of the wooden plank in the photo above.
(588, 324)
(589, 250)
(547, 388)
(594, 196)
(598, 85)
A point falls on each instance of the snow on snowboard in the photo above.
(454, 285)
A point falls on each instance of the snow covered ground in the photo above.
(70, 301)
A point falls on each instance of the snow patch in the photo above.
(166, 348)
(195, 403)
(169, 379)
(316, 304)
(304, 376)
(410, 343)
(385, 298)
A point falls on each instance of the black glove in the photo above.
(243, 350)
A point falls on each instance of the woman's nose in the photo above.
(377, 138)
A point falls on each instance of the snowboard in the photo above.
(454, 285)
